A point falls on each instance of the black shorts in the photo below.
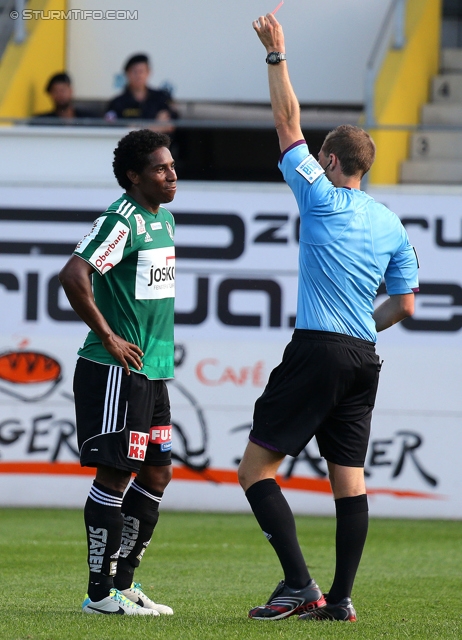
(325, 387)
(122, 421)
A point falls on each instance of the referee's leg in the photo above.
(349, 489)
(258, 464)
(257, 473)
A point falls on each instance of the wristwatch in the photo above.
(275, 57)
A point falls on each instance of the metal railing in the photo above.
(19, 26)
(391, 36)
(7, 24)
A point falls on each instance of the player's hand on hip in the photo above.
(270, 32)
(125, 352)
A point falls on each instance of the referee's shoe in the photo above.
(343, 611)
(285, 602)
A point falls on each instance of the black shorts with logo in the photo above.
(122, 421)
(325, 387)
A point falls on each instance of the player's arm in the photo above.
(284, 103)
(393, 310)
(75, 280)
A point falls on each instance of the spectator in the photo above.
(139, 101)
(59, 88)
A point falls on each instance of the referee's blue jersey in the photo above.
(348, 244)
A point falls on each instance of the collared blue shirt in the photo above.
(349, 243)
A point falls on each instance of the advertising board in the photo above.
(237, 249)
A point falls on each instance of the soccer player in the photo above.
(121, 399)
(327, 381)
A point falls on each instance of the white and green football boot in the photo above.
(137, 596)
(116, 603)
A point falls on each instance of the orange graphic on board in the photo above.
(28, 375)
(26, 367)
(216, 476)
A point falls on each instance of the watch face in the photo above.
(273, 57)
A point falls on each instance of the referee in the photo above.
(327, 381)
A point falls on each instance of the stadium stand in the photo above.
(436, 149)
(436, 155)
(211, 135)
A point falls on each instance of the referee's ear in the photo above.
(334, 162)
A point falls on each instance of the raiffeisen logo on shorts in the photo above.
(112, 247)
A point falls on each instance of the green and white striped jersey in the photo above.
(133, 254)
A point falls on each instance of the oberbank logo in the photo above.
(112, 247)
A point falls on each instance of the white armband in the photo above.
(310, 169)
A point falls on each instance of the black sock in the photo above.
(275, 517)
(352, 524)
(140, 510)
(103, 522)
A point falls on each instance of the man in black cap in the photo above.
(59, 88)
(139, 101)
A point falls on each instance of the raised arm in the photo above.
(286, 109)
(75, 280)
(393, 310)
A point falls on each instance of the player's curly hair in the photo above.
(131, 154)
(354, 148)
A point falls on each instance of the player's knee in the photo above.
(112, 478)
(245, 476)
(157, 478)
(241, 476)
(164, 476)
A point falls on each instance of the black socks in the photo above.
(275, 517)
(103, 522)
(140, 509)
(119, 530)
(277, 522)
(352, 525)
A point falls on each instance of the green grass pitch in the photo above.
(212, 568)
